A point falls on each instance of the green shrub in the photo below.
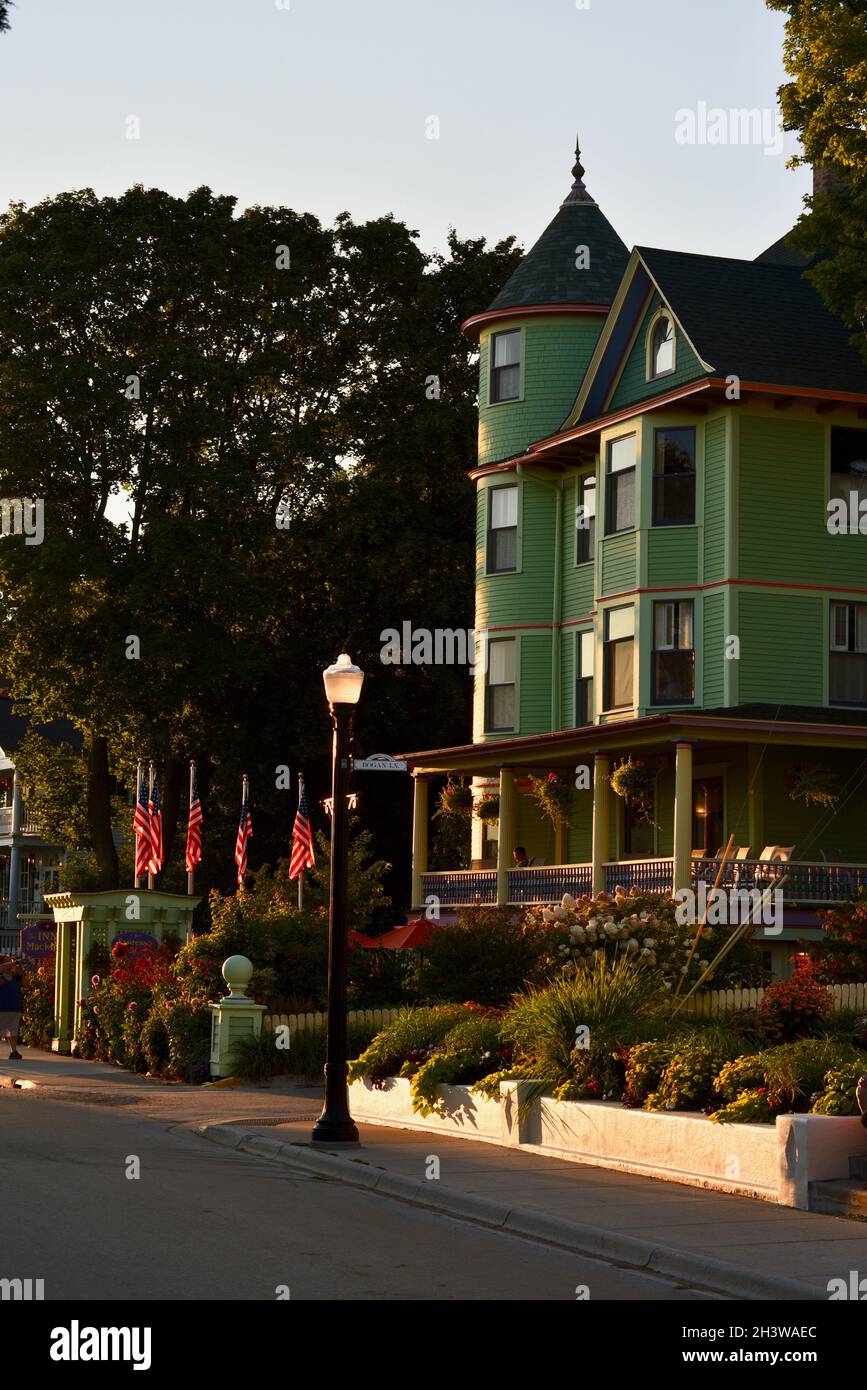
(687, 1080)
(305, 1055)
(257, 1057)
(37, 1018)
(486, 955)
(408, 1040)
(795, 1072)
(749, 1108)
(739, 1075)
(470, 1050)
(645, 1063)
(838, 1092)
(608, 998)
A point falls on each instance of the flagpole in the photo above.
(301, 874)
(150, 800)
(191, 873)
(136, 882)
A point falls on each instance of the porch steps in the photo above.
(843, 1196)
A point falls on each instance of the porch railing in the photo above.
(804, 882)
(648, 875)
(28, 825)
(547, 884)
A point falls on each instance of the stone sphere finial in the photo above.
(237, 972)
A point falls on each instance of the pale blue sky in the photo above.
(323, 104)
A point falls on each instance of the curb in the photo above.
(718, 1276)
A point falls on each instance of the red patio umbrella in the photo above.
(412, 934)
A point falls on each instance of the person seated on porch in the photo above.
(519, 854)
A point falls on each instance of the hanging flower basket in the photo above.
(487, 808)
(816, 786)
(553, 796)
(456, 799)
(633, 780)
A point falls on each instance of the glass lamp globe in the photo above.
(343, 681)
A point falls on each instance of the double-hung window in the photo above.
(502, 529)
(500, 686)
(847, 683)
(674, 478)
(849, 471)
(506, 366)
(585, 652)
(673, 654)
(620, 485)
(619, 657)
(585, 520)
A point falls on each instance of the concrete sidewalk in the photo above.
(736, 1246)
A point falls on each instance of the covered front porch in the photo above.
(713, 776)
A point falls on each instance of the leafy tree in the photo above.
(4, 14)
(826, 103)
(213, 371)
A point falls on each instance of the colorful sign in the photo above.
(38, 941)
(139, 942)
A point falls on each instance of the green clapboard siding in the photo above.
(672, 555)
(535, 691)
(713, 611)
(556, 352)
(618, 563)
(782, 466)
(526, 596)
(714, 499)
(632, 385)
(782, 654)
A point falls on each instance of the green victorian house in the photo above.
(667, 442)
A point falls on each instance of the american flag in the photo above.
(155, 815)
(141, 826)
(194, 825)
(302, 839)
(245, 833)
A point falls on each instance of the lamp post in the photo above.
(335, 1125)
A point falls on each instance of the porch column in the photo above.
(561, 831)
(62, 981)
(419, 838)
(755, 800)
(601, 818)
(15, 855)
(682, 816)
(508, 828)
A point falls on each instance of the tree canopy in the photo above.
(254, 390)
(825, 102)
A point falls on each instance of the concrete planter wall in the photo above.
(774, 1162)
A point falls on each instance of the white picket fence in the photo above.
(716, 1001)
(719, 1001)
(375, 1018)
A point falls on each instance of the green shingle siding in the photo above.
(555, 354)
(633, 385)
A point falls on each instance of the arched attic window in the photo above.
(660, 346)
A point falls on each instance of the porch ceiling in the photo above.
(658, 731)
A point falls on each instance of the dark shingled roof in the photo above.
(548, 275)
(757, 320)
(783, 254)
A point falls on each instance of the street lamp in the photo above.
(335, 1125)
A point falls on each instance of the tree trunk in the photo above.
(99, 811)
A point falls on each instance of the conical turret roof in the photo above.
(548, 274)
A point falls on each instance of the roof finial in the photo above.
(577, 193)
(578, 167)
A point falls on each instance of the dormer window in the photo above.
(661, 348)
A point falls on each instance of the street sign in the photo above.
(379, 762)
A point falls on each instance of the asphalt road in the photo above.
(202, 1222)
